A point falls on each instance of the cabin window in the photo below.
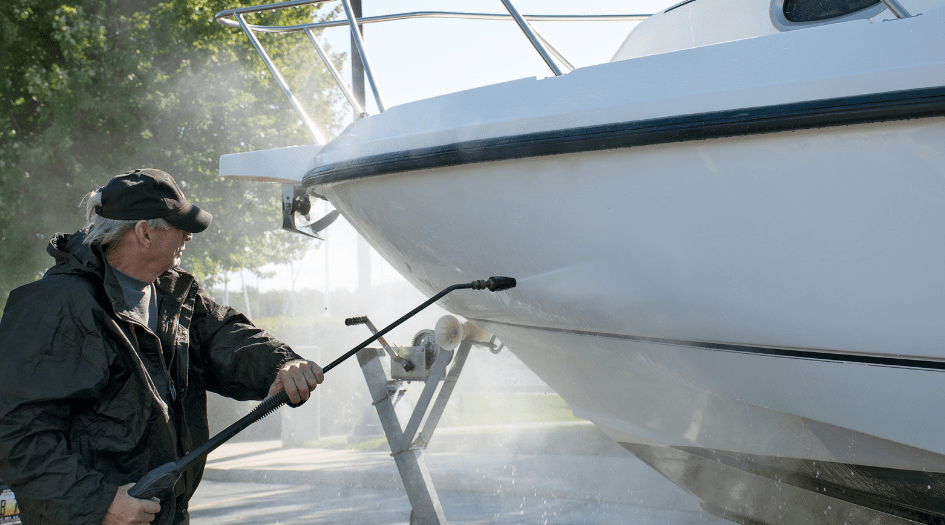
(816, 10)
(787, 15)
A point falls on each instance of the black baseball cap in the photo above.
(150, 194)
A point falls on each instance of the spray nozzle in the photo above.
(494, 284)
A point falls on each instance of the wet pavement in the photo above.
(263, 483)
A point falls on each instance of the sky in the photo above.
(416, 59)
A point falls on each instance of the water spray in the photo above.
(161, 480)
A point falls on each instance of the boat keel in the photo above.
(758, 490)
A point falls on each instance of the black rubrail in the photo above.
(879, 107)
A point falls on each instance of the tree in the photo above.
(93, 88)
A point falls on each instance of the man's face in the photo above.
(167, 246)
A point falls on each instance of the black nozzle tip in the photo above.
(500, 283)
(493, 284)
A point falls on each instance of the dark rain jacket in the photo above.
(91, 399)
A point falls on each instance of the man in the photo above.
(107, 359)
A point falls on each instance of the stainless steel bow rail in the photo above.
(160, 481)
(236, 18)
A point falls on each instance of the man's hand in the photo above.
(126, 509)
(298, 378)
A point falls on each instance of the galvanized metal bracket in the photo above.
(296, 201)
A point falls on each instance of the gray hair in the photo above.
(102, 231)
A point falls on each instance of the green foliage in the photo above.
(93, 88)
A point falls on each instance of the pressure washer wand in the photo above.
(494, 284)
(162, 479)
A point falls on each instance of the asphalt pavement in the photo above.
(262, 482)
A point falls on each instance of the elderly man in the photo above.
(107, 359)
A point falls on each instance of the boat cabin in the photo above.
(695, 23)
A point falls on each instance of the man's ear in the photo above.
(142, 232)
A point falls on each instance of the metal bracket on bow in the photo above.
(297, 200)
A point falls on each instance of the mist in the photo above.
(506, 439)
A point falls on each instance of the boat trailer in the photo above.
(425, 361)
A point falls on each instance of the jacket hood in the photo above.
(73, 257)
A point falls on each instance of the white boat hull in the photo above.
(821, 241)
(783, 304)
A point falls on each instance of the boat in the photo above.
(728, 241)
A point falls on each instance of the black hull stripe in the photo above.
(880, 107)
(790, 353)
(909, 494)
